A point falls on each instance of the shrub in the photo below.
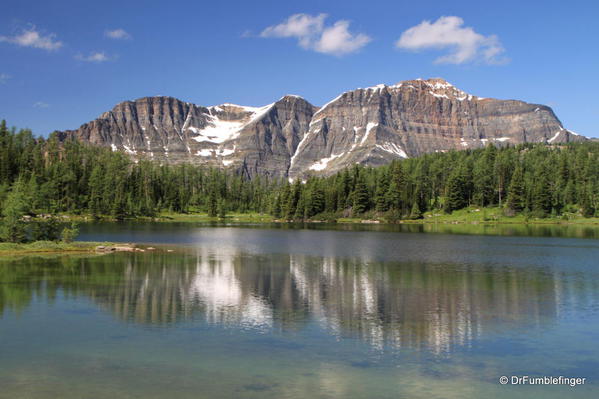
(69, 233)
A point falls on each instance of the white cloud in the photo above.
(32, 38)
(117, 34)
(311, 33)
(304, 27)
(463, 43)
(338, 40)
(41, 104)
(98, 56)
(4, 78)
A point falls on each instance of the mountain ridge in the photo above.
(293, 138)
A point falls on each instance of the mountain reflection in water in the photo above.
(387, 304)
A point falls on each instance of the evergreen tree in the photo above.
(360, 196)
(587, 203)
(95, 191)
(541, 193)
(516, 200)
(54, 176)
(483, 177)
(276, 207)
(456, 197)
(222, 209)
(212, 203)
(14, 208)
(68, 234)
(396, 194)
(380, 195)
(292, 201)
(45, 230)
(415, 213)
(316, 203)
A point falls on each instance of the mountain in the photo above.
(292, 138)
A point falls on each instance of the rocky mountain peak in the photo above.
(293, 138)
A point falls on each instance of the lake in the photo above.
(319, 311)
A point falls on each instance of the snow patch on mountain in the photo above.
(393, 149)
(218, 130)
(322, 164)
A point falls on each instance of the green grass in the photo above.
(203, 217)
(473, 215)
(7, 248)
(492, 215)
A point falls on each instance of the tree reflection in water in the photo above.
(387, 304)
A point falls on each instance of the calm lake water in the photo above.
(279, 312)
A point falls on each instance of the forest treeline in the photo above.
(46, 177)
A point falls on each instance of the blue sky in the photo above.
(63, 63)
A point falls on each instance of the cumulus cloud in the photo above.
(30, 37)
(98, 56)
(119, 33)
(448, 33)
(338, 40)
(4, 78)
(41, 104)
(312, 34)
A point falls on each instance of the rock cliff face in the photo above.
(249, 139)
(291, 137)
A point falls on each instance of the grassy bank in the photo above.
(203, 217)
(496, 215)
(471, 215)
(7, 248)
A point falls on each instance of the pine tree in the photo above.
(587, 203)
(396, 193)
(316, 202)
(15, 207)
(212, 203)
(222, 209)
(68, 234)
(360, 196)
(45, 230)
(415, 213)
(541, 193)
(276, 207)
(95, 188)
(300, 209)
(380, 195)
(483, 177)
(516, 199)
(290, 209)
(456, 197)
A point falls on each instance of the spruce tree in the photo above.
(587, 203)
(316, 203)
(516, 199)
(222, 209)
(276, 207)
(360, 196)
(15, 207)
(380, 195)
(415, 213)
(456, 196)
(541, 193)
(212, 203)
(292, 200)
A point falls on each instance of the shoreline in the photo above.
(75, 248)
(53, 247)
(265, 219)
(101, 248)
